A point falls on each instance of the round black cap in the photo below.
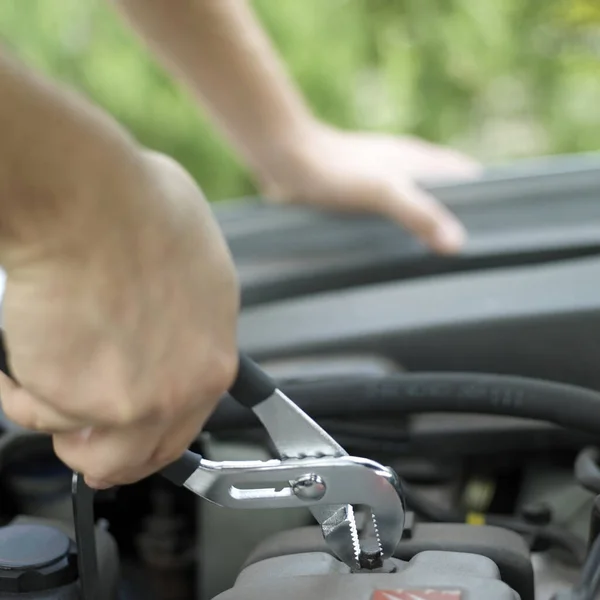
(35, 558)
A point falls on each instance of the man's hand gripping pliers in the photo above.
(313, 471)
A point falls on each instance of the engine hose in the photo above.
(565, 405)
(552, 534)
(587, 471)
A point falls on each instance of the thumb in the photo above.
(422, 215)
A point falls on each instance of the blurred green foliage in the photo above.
(499, 79)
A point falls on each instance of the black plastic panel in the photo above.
(538, 320)
(524, 213)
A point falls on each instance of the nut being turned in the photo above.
(370, 561)
(309, 487)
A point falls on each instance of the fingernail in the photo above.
(96, 484)
(86, 433)
(450, 238)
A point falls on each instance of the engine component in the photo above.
(216, 575)
(588, 585)
(505, 549)
(564, 405)
(166, 545)
(430, 575)
(40, 486)
(33, 478)
(39, 561)
(518, 320)
(587, 471)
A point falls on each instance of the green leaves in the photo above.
(498, 79)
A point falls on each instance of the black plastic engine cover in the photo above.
(537, 321)
(527, 212)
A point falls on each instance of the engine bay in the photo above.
(475, 378)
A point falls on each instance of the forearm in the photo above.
(218, 49)
(60, 159)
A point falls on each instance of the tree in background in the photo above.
(500, 80)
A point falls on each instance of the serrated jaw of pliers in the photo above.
(341, 535)
(359, 550)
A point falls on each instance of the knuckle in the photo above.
(182, 394)
(122, 412)
(426, 225)
(388, 197)
(172, 400)
(222, 371)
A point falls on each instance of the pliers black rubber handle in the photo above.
(251, 387)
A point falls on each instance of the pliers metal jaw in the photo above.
(313, 471)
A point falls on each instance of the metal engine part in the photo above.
(429, 575)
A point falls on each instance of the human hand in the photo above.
(124, 337)
(375, 173)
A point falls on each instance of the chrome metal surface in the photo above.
(341, 535)
(348, 481)
(295, 435)
(309, 487)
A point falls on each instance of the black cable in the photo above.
(587, 471)
(564, 405)
(370, 446)
(392, 430)
(551, 534)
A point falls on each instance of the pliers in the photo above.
(313, 471)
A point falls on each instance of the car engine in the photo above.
(474, 377)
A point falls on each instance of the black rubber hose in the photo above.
(587, 471)
(552, 534)
(565, 405)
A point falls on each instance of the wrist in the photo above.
(289, 156)
(64, 166)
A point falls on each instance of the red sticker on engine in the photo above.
(417, 595)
